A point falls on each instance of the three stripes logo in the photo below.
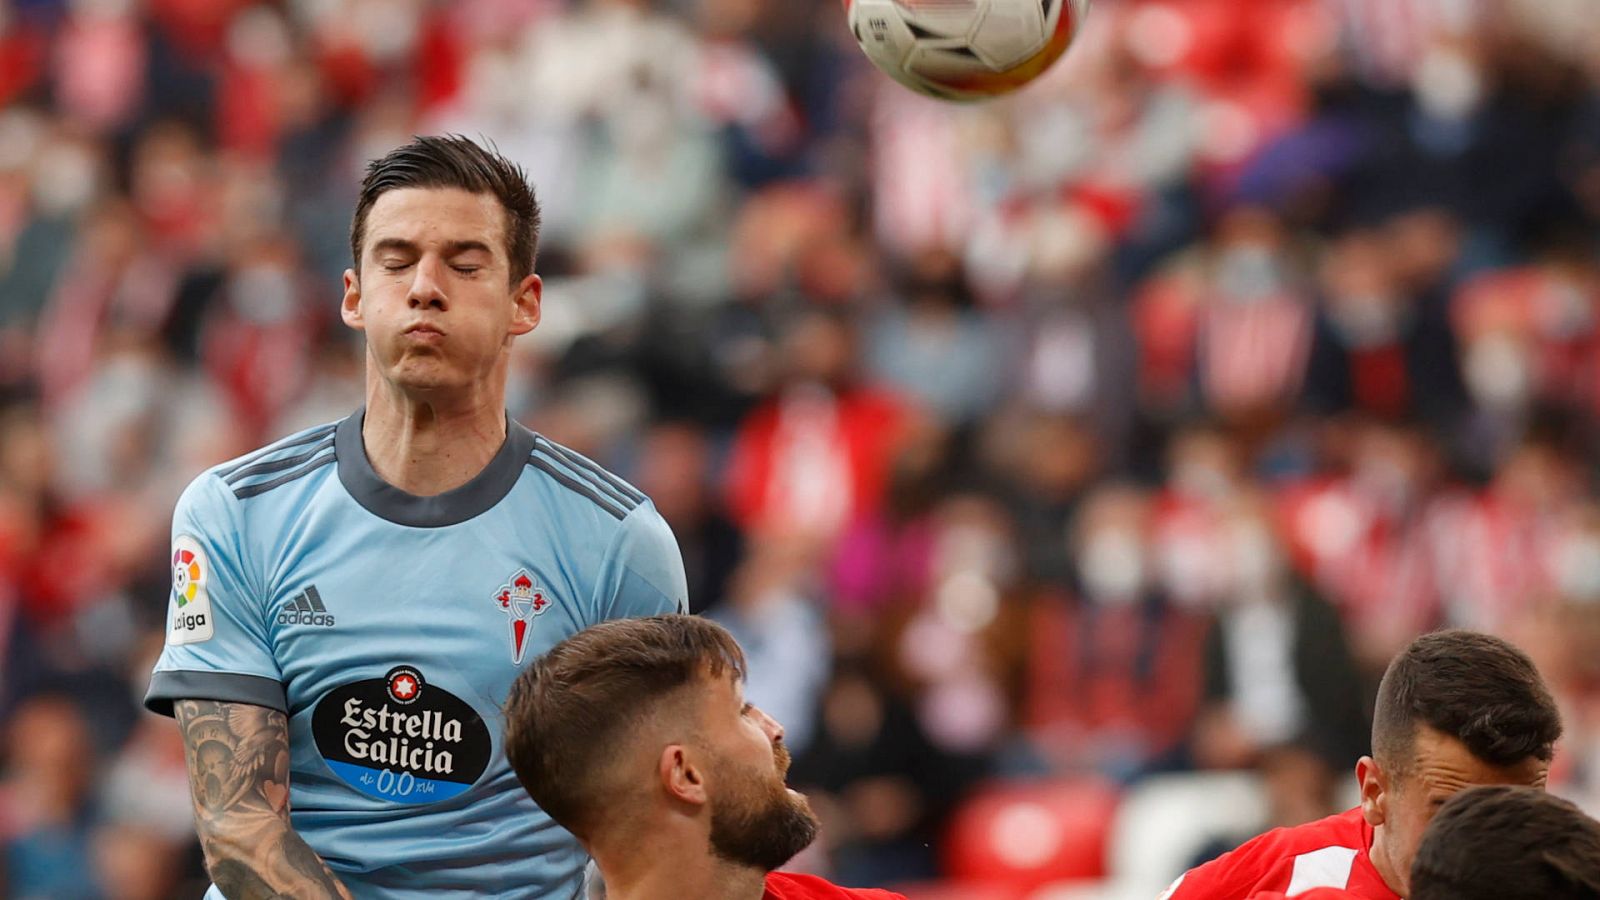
(306, 608)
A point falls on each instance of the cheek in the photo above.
(1413, 821)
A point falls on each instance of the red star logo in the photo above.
(404, 687)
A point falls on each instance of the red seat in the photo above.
(1029, 834)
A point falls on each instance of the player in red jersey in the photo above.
(1508, 843)
(634, 735)
(1455, 709)
(1312, 894)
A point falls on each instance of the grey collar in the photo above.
(452, 507)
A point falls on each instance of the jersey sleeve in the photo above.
(218, 646)
(642, 574)
(1239, 873)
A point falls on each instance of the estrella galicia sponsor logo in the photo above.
(399, 738)
(306, 608)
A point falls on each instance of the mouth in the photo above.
(424, 331)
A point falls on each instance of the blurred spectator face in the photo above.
(1249, 263)
(1111, 550)
(1364, 298)
(135, 863)
(1536, 477)
(50, 755)
(674, 465)
(1255, 560)
(1389, 466)
(1058, 457)
(1421, 245)
(1498, 368)
(434, 296)
(820, 348)
(25, 454)
(168, 176)
(1203, 464)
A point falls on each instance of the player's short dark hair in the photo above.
(452, 161)
(1508, 843)
(569, 712)
(1473, 687)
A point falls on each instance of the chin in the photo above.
(425, 378)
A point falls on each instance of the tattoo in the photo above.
(238, 757)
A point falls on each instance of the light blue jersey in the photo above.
(389, 628)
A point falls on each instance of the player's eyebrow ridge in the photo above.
(451, 248)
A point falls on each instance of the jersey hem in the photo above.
(227, 687)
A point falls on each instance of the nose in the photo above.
(427, 285)
(769, 725)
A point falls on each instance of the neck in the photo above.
(661, 872)
(430, 445)
(1379, 855)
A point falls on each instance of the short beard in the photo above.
(761, 825)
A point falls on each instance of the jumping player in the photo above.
(351, 604)
(635, 736)
(1455, 709)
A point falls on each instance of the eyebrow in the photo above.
(451, 248)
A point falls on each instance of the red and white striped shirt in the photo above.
(1329, 853)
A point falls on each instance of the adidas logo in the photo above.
(306, 609)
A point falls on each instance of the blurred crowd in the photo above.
(1125, 425)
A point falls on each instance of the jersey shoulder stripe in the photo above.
(1328, 867)
(298, 439)
(575, 459)
(597, 483)
(581, 487)
(325, 457)
(278, 464)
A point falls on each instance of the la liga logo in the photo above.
(189, 618)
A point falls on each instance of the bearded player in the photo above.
(351, 604)
(1455, 709)
(635, 736)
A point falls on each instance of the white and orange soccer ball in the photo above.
(964, 49)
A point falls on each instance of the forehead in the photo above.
(1444, 765)
(436, 216)
(724, 685)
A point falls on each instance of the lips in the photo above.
(423, 329)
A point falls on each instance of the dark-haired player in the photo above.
(1508, 843)
(635, 736)
(1455, 709)
(351, 604)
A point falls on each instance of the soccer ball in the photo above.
(964, 49)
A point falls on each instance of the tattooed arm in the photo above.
(238, 757)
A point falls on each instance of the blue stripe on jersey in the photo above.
(290, 442)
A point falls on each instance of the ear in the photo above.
(350, 306)
(681, 777)
(1374, 791)
(529, 301)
